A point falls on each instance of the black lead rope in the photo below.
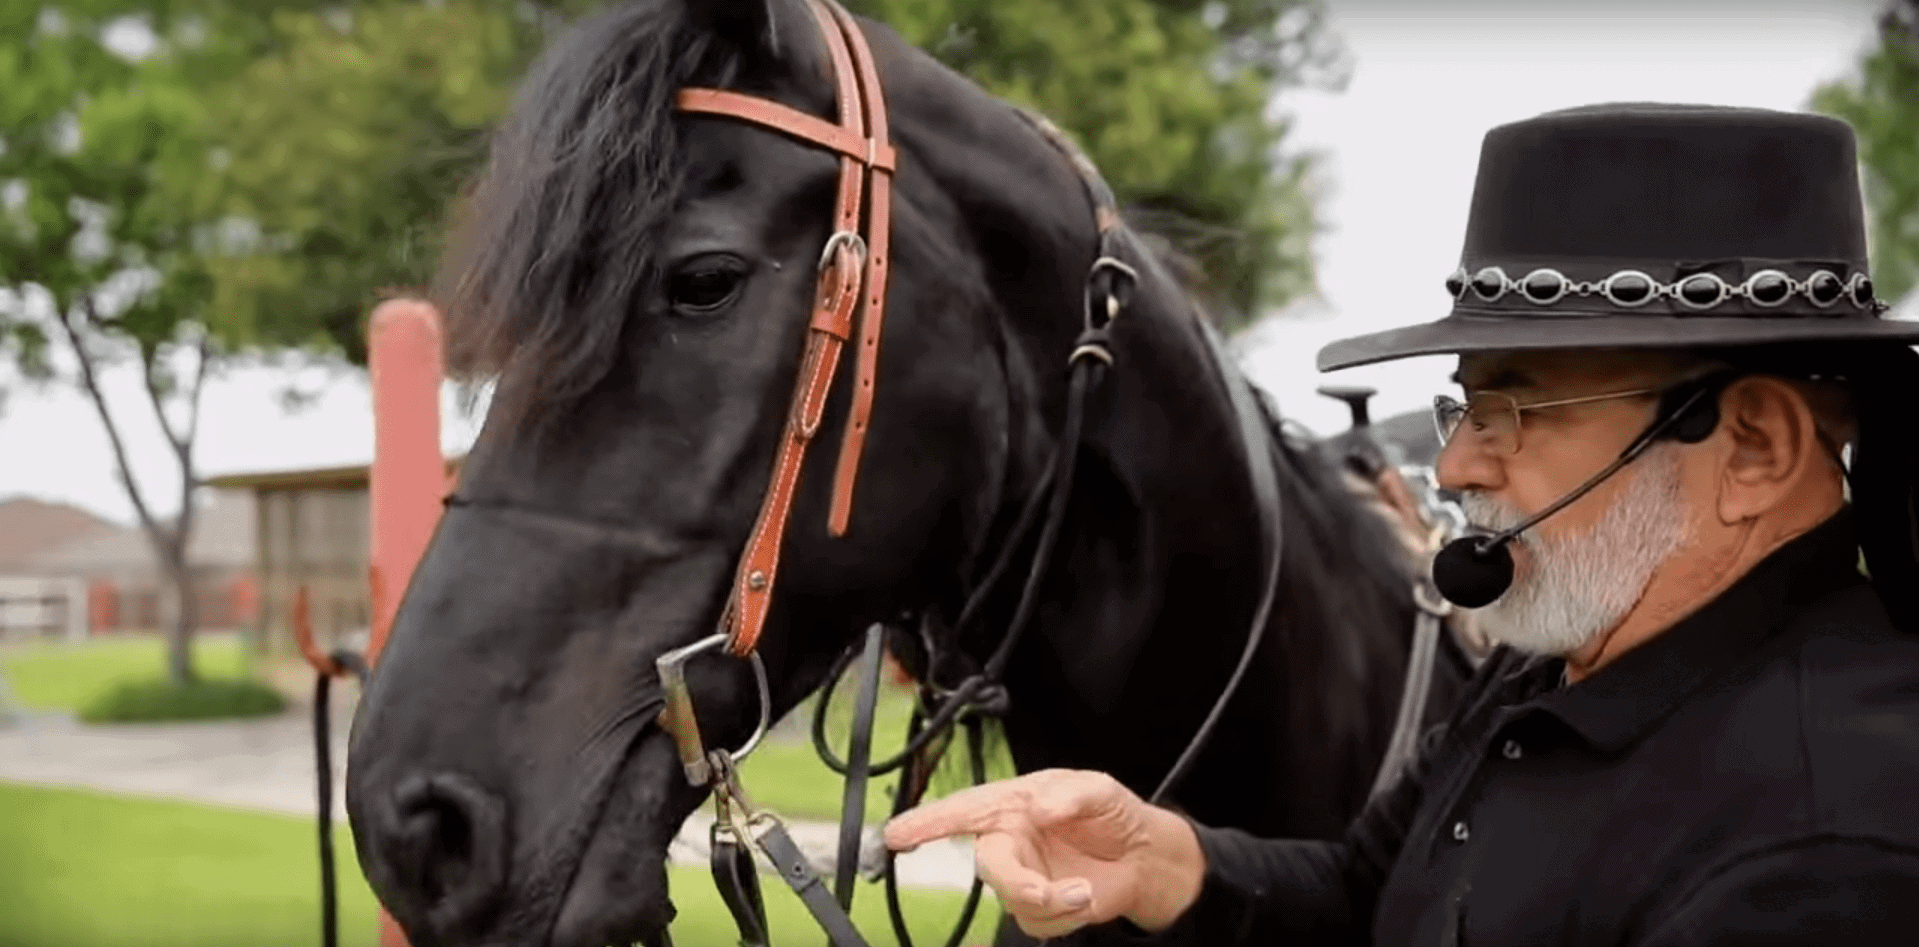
(913, 784)
(323, 754)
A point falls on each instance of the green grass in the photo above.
(80, 869)
(61, 676)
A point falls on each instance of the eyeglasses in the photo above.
(1495, 416)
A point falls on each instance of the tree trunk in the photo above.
(179, 613)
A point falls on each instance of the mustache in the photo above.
(1488, 513)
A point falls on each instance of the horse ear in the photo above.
(747, 24)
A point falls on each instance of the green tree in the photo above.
(396, 100)
(1173, 100)
(1881, 101)
(106, 233)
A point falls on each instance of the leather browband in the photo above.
(784, 118)
(853, 271)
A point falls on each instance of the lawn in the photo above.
(61, 676)
(79, 869)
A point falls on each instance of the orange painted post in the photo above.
(408, 477)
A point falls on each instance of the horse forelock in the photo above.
(555, 244)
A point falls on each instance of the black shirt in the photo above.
(1748, 777)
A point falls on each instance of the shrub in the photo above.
(152, 700)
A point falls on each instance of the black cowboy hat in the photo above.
(1644, 225)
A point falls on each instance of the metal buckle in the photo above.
(847, 237)
(1112, 298)
(678, 718)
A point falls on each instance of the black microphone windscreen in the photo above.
(1470, 578)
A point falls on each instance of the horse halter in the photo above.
(852, 271)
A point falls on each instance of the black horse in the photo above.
(638, 282)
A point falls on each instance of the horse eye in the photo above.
(705, 286)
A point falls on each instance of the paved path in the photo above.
(267, 765)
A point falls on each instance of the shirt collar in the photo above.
(1617, 705)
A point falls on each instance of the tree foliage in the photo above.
(394, 104)
(105, 238)
(353, 133)
(1172, 99)
(1881, 101)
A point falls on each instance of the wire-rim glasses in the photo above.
(1495, 415)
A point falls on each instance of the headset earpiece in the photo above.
(1693, 409)
(1699, 421)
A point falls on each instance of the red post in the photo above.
(408, 477)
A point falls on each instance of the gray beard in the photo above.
(1582, 585)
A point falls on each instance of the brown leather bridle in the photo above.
(852, 270)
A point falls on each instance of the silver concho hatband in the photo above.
(1630, 289)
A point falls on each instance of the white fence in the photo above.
(37, 607)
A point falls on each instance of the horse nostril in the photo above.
(441, 832)
(448, 844)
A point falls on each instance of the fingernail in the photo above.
(1076, 896)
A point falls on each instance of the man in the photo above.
(1702, 726)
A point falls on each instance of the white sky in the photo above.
(1402, 143)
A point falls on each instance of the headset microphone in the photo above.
(1475, 571)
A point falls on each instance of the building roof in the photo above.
(312, 478)
(223, 537)
(30, 528)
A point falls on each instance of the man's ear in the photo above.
(1772, 447)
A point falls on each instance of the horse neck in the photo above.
(1152, 592)
(1152, 589)
(1165, 577)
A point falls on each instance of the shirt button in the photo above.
(1460, 832)
(1512, 750)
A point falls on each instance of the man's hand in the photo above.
(1067, 848)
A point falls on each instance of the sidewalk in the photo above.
(267, 765)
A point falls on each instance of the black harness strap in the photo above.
(739, 882)
(772, 838)
(858, 754)
(323, 756)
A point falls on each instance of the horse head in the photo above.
(638, 281)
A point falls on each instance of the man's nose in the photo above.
(1465, 464)
(437, 842)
